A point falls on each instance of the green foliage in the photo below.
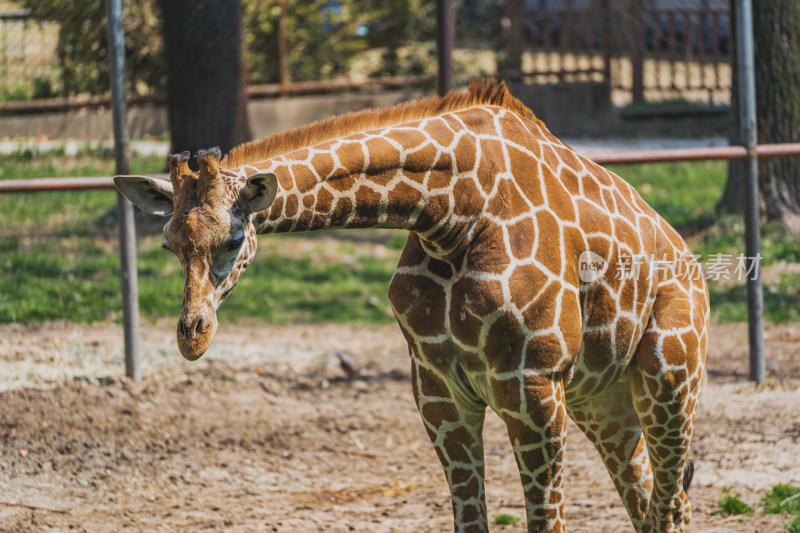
(505, 520)
(282, 290)
(397, 241)
(321, 40)
(40, 86)
(397, 24)
(83, 45)
(782, 499)
(324, 37)
(730, 504)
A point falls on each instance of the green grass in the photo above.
(683, 193)
(275, 289)
(57, 249)
(505, 520)
(782, 499)
(58, 252)
(58, 255)
(726, 236)
(793, 526)
(781, 300)
(730, 504)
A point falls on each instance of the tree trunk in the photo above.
(732, 200)
(776, 28)
(206, 99)
(776, 24)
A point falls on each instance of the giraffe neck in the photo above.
(418, 176)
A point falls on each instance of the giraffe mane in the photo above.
(481, 92)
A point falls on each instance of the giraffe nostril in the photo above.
(188, 328)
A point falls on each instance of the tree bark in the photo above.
(776, 28)
(732, 200)
(206, 99)
(776, 25)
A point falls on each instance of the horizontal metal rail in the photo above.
(623, 157)
(627, 157)
(62, 184)
(253, 91)
(304, 87)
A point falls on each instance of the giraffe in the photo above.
(533, 282)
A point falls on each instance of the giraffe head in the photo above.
(210, 230)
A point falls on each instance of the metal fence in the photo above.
(646, 51)
(749, 151)
(28, 65)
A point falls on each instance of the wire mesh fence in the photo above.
(647, 50)
(27, 59)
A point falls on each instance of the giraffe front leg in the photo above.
(455, 425)
(610, 421)
(534, 412)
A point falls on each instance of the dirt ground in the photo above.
(265, 434)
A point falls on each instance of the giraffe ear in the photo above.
(259, 191)
(148, 194)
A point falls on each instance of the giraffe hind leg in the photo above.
(610, 421)
(665, 380)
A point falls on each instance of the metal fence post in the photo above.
(752, 232)
(127, 234)
(513, 39)
(444, 42)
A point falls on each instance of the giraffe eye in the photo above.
(235, 243)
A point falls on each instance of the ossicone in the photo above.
(178, 168)
(209, 184)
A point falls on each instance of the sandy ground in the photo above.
(265, 434)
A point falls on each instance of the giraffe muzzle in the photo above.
(195, 334)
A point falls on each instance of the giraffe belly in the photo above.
(605, 354)
(593, 374)
(472, 340)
